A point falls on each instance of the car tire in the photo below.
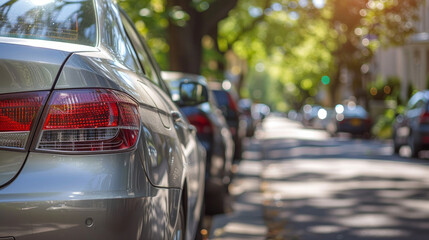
(415, 149)
(200, 226)
(238, 150)
(179, 232)
(396, 147)
(215, 198)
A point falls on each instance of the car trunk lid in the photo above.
(27, 74)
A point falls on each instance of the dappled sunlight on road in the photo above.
(335, 188)
(306, 185)
(275, 127)
(246, 221)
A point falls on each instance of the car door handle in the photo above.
(177, 116)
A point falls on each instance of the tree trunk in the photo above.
(185, 41)
(334, 86)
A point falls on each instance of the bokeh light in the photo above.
(322, 113)
(339, 108)
(326, 80)
(351, 105)
(226, 85)
(307, 108)
(340, 117)
(387, 89)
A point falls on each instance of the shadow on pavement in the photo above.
(333, 188)
(246, 220)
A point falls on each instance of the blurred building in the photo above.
(409, 62)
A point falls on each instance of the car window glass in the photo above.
(420, 104)
(63, 21)
(118, 44)
(141, 52)
(222, 99)
(356, 111)
(412, 104)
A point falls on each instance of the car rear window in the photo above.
(221, 98)
(357, 111)
(71, 21)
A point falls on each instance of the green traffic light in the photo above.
(326, 80)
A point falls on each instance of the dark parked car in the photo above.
(213, 133)
(91, 145)
(351, 118)
(412, 127)
(310, 114)
(228, 104)
(248, 109)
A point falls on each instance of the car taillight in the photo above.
(89, 120)
(17, 114)
(232, 104)
(202, 123)
(424, 117)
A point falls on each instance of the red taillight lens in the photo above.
(424, 117)
(17, 113)
(202, 123)
(232, 104)
(90, 120)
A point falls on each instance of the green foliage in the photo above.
(292, 41)
(382, 128)
(296, 42)
(151, 20)
(364, 25)
(388, 89)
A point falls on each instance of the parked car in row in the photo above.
(91, 144)
(227, 101)
(350, 118)
(248, 110)
(315, 116)
(412, 127)
(214, 134)
(310, 114)
(261, 111)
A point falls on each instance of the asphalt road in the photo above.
(300, 184)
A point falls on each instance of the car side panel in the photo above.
(84, 197)
(193, 154)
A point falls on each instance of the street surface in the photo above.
(300, 184)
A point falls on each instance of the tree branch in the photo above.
(249, 27)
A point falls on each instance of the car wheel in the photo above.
(215, 198)
(179, 232)
(238, 151)
(413, 146)
(200, 227)
(396, 147)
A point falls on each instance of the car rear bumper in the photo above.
(85, 197)
(360, 129)
(121, 218)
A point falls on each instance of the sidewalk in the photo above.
(246, 221)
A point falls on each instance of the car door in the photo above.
(184, 146)
(417, 103)
(406, 123)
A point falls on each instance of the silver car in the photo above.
(91, 145)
